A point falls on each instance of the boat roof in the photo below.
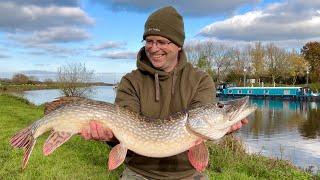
(264, 87)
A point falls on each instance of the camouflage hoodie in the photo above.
(158, 94)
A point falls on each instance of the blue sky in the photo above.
(106, 34)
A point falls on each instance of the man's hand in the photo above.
(238, 125)
(96, 131)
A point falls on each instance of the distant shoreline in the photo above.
(39, 86)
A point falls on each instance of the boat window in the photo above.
(239, 91)
(266, 91)
(286, 92)
(249, 91)
(229, 91)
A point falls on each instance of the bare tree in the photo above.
(212, 57)
(257, 56)
(276, 60)
(199, 55)
(74, 80)
(240, 65)
(222, 58)
(193, 52)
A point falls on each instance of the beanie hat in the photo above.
(166, 22)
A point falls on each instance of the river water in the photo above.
(281, 129)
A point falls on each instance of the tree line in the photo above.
(266, 63)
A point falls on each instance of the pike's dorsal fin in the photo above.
(117, 156)
(24, 139)
(51, 106)
(55, 140)
(199, 156)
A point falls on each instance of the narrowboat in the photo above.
(291, 93)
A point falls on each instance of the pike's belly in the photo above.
(158, 147)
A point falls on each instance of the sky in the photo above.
(105, 35)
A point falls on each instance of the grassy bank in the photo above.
(4, 88)
(80, 159)
(25, 87)
(76, 159)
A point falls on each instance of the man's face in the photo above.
(162, 53)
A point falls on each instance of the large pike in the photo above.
(180, 132)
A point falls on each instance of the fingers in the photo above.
(238, 125)
(108, 133)
(245, 121)
(85, 133)
(96, 131)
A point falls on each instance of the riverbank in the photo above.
(87, 159)
(5, 87)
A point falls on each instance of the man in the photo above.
(163, 84)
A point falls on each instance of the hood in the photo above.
(144, 65)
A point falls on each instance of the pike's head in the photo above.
(214, 120)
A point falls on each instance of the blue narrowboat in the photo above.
(292, 93)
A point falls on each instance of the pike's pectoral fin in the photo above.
(199, 156)
(117, 156)
(55, 140)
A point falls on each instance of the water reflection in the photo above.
(285, 129)
(310, 128)
(276, 116)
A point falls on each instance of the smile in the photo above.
(157, 56)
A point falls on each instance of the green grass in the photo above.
(80, 159)
(25, 87)
(76, 159)
(10, 87)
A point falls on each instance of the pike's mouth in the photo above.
(234, 107)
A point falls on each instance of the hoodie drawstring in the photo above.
(174, 79)
(157, 86)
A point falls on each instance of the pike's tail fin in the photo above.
(24, 139)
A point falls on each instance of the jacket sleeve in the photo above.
(127, 95)
(205, 92)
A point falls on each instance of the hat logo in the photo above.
(154, 29)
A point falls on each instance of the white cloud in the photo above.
(2, 56)
(50, 49)
(108, 45)
(52, 35)
(227, 43)
(15, 17)
(189, 8)
(46, 2)
(39, 25)
(278, 22)
(120, 55)
(241, 44)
